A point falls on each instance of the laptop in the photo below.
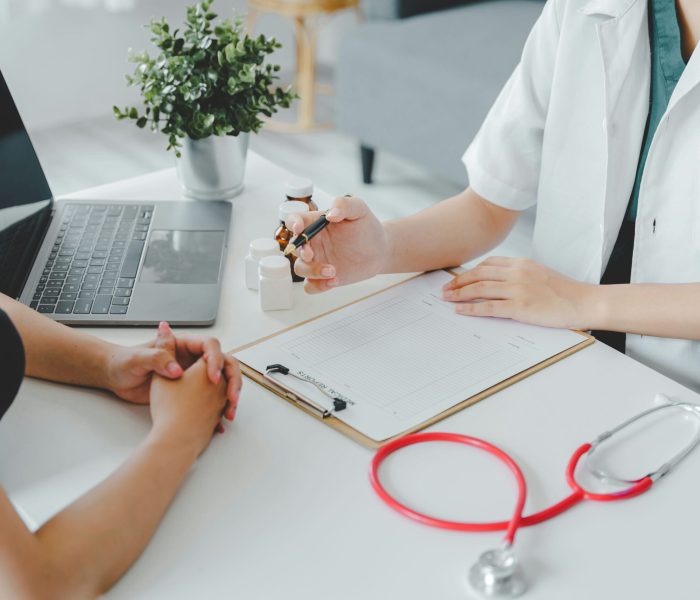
(101, 262)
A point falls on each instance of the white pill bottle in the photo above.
(258, 250)
(275, 283)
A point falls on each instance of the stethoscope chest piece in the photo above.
(497, 575)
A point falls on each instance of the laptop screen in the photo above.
(25, 198)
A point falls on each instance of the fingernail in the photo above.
(333, 212)
(332, 283)
(162, 327)
(217, 377)
(448, 294)
(328, 271)
(174, 368)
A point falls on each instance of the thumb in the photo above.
(159, 361)
(165, 352)
(347, 208)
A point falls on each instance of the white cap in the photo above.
(299, 187)
(264, 247)
(292, 207)
(276, 267)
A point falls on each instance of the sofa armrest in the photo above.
(400, 9)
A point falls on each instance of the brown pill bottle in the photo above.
(284, 235)
(300, 189)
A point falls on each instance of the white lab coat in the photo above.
(566, 133)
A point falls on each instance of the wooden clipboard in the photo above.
(361, 438)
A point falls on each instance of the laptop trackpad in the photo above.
(183, 257)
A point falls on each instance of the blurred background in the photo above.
(412, 81)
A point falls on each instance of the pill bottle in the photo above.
(259, 248)
(275, 283)
(300, 189)
(283, 235)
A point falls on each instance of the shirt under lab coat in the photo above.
(565, 135)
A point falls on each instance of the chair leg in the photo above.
(367, 157)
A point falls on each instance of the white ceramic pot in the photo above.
(213, 168)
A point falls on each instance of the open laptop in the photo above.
(99, 262)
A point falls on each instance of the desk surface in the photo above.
(280, 506)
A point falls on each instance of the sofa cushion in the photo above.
(421, 87)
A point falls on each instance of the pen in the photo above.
(315, 228)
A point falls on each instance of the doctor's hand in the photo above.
(523, 290)
(352, 248)
(129, 370)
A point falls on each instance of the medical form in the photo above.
(403, 356)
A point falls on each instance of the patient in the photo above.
(190, 385)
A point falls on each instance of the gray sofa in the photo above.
(418, 78)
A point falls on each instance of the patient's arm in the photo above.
(85, 548)
(59, 353)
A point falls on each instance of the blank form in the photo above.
(404, 356)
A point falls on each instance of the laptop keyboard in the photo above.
(94, 260)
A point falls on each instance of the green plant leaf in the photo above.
(208, 78)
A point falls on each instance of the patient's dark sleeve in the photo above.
(11, 362)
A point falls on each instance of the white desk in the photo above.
(280, 506)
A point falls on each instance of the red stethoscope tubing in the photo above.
(517, 520)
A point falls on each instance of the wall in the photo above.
(67, 63)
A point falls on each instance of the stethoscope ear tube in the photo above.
(517, 520)
(639, 487)
(510, 526)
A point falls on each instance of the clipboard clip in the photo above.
(338, 403)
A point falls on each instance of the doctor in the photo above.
(599, 127)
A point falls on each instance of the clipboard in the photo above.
(322, 414)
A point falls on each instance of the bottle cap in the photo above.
(275, 267)
(299, 187)
(264, 247)
(292, 207)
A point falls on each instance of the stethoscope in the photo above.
(497, 573)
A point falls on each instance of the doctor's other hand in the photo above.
(352, 248)
(187, 411)
(523, 290)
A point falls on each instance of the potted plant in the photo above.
(208, 88)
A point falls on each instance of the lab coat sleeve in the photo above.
(503, 161)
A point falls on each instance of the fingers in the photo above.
(317, 286)
(161, 358)
(235, 382)
(296, 223)
(214, 357)
(306, 253)
(153, 360)
(165, 338)
(503, 309)
(481, 272)
(481, 290)
(347, 208)
(191, 347)
(310, 270)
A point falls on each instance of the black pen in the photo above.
(305, 236)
